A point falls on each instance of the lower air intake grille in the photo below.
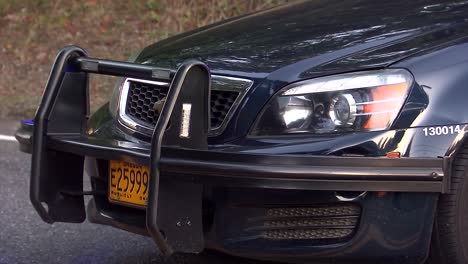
(332, 222)
(314, 234)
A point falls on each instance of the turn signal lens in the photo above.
(385, 105)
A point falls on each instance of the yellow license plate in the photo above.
(128, 183)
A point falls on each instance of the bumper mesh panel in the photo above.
(142, 97)
(313, 234)
(346, 221)
(333, 222)
(336, 210)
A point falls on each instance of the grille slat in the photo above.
(142, 97)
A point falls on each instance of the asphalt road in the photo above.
(24, 238)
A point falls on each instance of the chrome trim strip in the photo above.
(218, 83)
(381, 101)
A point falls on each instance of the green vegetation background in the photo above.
(32, 32)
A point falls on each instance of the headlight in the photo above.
(361, 101)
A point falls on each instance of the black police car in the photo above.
(318, 131)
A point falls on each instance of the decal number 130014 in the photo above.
(441, 130)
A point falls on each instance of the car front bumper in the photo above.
(244, 169)
(397, 203)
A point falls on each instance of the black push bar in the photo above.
(123, 69)
(64, 111)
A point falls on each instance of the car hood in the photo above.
(305, 39)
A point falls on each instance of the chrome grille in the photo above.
(141, 99)
(221, 102)
(139, 96)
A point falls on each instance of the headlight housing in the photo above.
(360, 101)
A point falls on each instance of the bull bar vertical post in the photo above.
(189, 90)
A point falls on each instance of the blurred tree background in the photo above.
(32, 32)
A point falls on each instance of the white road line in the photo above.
(7, 138)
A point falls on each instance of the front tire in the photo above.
(450, 236)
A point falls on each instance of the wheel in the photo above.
(450, 235)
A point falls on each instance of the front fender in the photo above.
(442, 76)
